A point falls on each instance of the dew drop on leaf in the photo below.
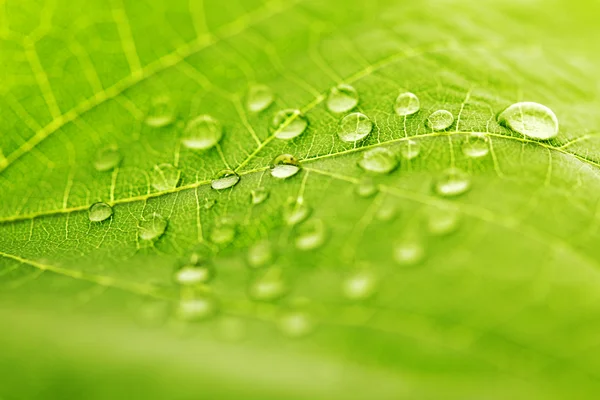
(107, 159)
(259, 195)
(225, 179)
(443, 221)
(295, 212)
(209, 203)
(310, 235)
(452, 182)
(99, 212)
(260, 97)
(202, 133)
(260, 254)
(289, 123)
(284, 166)
(152, 227)
(268, 287)
(378, 160)
(409, 252)
(407, 104)
(164, 177)
(296, 323)
(191, 274)
(197, 309)
(366, 188)
(440, 120)
(386, 212)
(223, 232)
(354, 127)
(530, 119)
(476, 146)
(360, 285)
(410, 149)
(161, 113)
(342, 98)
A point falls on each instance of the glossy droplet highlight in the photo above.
(311, 235)
(284, 166)
(289, 124)
(161, 113)
(189, 275)
(476, 146)
(260, 97)
(296, 323)
(225, 179)
(99, 212)
(342, 98)
(407, 104)
(410, 149)
(354, 127)
(366, 188)
(440, 120)
(360, 285)
(259, 195)
(378, 160)
(387, 211)
(409, 252)
(197, 309)
(530, 119)
(107, 159)
(268, 287)
(202, 133)
(443, 221)
(260, 254)
(452, 182)
(295, 212)
(164, 177)
(223, 232)
(152, 227)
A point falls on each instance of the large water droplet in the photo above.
(107, 159)
(452, 182)
(296, 323)
(354, 127)
(268, 287)
(366, 188)
(225, 179)
(410, 149)
(295, 212)
(164, 177)
(311, 235)
(360, 285)
(260, 97)
(379, 160)
(531, 119)
(152, 227)
(342, 98)
(476, 146)
(224, 231)
(161, 113)
(259, 195)
(193, 274)
(284, 166)
(289, 124)
(260, 254)
(409, 252)
(440, 120)
(443, 221)
(197, 309)
(407, 104)
(201, 133)
(99, 212)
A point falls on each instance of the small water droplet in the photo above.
(260, 254)
(296, 323)
(440, 120)
(409, 252)
(443, 221)
(164, 177)
(410, 149)
(152, 227)
(378, 160)
(295, 212)
(224, 231)
(360, 285)
(209, 203)
(354, 127)
(386, 212)
(311, 235)
(530, 119)
(225, 179)
(161, 113)
(284, 166)
(342, 98)
(197, 309)
(268, 287)
(366, 188)
(289, 124)
(193, 274)
(99, 212)
(476, 146)
(107, 159)
(407, 104)
(452, 182)
(259, 195)
(202, 133)
(260, 97)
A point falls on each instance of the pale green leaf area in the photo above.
(467, 268)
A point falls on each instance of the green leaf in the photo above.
(387, 256)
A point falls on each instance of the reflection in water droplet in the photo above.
(410, 149)
(152, 227)
(284, 166)
(531, 119)
(225, 179)
(296, 323)
(311, 235)
(407, 104)
(476, 146)
(268, 287)
(342, 98)
(260, 254)
(452, 182)
(197, 309)
(161, 113)
(289, 124)
(223, 232)
(360, 285)
(378, 160)
(259, 98)
(366, 188)
(295, 212)
(259, 195)
(164, 177)
(99, 212)
(386, 212)
(443, 221)
(193, 274)
(409, 252)
(440, 120)
(107, 159)
(354, 127)
(202, 132)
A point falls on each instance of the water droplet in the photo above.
(289, 124)
(197, 309)
(223, 232)
(386, 212)
(161, 113)
(360, 285)
(209, 203)
(410, 149)
(296, 323)
(476, 146)
(342, 98)
(440, 120)
(259, 195)
(295, 212)
(201, 133)
(260, 254)
(268, 287)
(192, 274)
(152, 227)
(409, 253)
(225, 179)
(311, 235)
(366, 188)
(531, 119)
(379, 160)
(284, 166)
(452, 182)
(407, 104)
(354, 127)
(260, 97)
(164, 177)
(107, 159)
(100, 212)
(443, 221)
